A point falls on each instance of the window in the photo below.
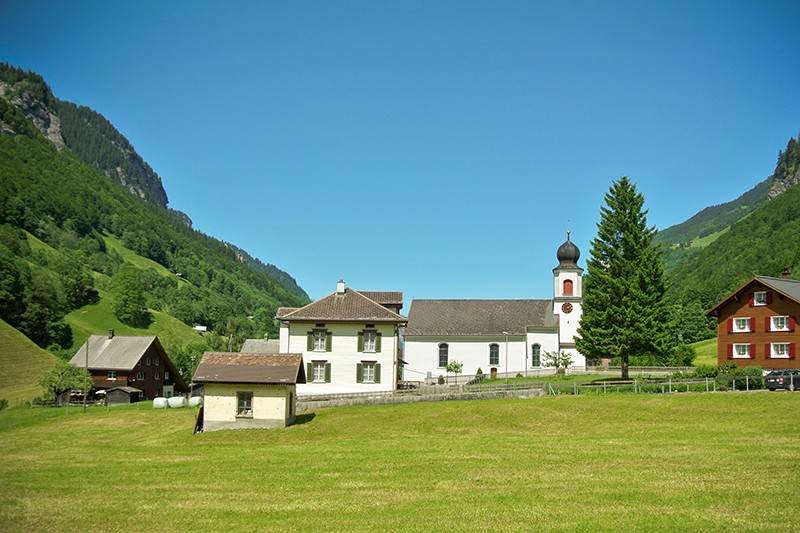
(760, 298)
(158, 392)
(368, 372)
(567, 288)
(244, 404)
(536, 355)
(112, 374)
(369, 340)
(494, 354)
(140, 376)
(166, 375)
(443, 350)
(158, 361)
(319, 340)
(319, 372)
(741, 325)
(780, 350)
(779, 323)
(741, 351)
(149, 360)
(157, 375)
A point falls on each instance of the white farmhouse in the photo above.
(348, 339)
(500, 337)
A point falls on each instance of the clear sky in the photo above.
(439, 148)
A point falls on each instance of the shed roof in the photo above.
(266, 369)
(479, 317)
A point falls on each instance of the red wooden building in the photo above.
(757, 323)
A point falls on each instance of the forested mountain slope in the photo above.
(71, 237)
(759, 233)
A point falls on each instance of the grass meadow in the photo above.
(687, 462)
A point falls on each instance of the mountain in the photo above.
(85, 231)
(722, 246)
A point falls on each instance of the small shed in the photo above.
(122, 395)
(249, 391)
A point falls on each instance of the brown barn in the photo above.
(127, 361)
(757, 323)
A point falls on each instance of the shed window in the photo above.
(244, 403)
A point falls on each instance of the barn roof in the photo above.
(266, 369)
(261, 346)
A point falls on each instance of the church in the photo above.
(499, 337)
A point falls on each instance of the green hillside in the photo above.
(80, 253)
(21, 364)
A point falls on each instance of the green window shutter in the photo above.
(327, 372)
(359, 373)
(360, 341)
(310, 341)
(310, 372)
(377, 372)
(328, 337)
(377, 344)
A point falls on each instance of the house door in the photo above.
(493, 373)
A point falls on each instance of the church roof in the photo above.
(347, 306)
(568, 254)
(479, 317)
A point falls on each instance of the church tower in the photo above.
(568, 298)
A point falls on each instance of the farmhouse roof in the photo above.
(121, 352)
(265, 369)
(347, 306)
(789, 288)
(261, 346)
(479, 317)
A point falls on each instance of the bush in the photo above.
(440, 381)
(749, 376)
(705, 371)
(479, 372)
(3, 403)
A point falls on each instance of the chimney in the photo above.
(111, 334)
(340, 287)
(786, 274)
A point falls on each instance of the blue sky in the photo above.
(437, 148)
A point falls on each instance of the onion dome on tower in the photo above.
(568, 254)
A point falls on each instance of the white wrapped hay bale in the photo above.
(195, 401)
(159, 403)
(177, 402)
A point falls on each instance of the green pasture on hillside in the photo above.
(681, 462)
(706, 352)
(21, 364)
(98, 318)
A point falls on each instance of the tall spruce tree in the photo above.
(624, 310)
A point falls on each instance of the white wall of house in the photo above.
(343, 357)
(272, 406)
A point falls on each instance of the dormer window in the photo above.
(760, 298)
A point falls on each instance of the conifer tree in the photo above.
(624, 310)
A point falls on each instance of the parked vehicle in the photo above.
(783, 379)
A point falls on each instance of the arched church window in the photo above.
(536, 355)
(443, 354)
(494, 354)
(567, 287)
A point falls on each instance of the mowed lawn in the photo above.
(681, 462)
